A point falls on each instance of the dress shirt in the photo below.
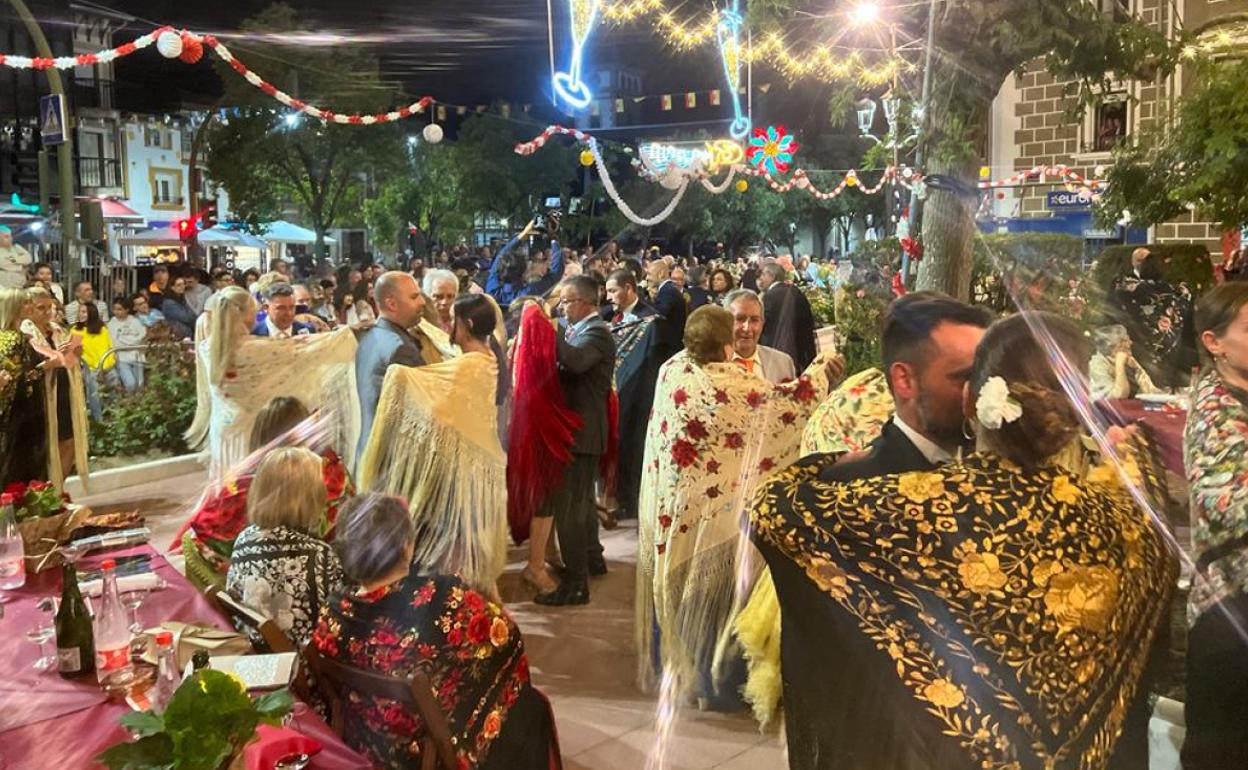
(935, 454)
(753, 364)
(276, 333)
(628, 315)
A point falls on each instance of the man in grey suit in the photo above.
(400, 305)
(586, 353)
(772, 365)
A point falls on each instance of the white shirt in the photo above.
(275, 332)
(629, 315)
(757, 369)
(935, 454)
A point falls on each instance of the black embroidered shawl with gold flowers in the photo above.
(1009, 615)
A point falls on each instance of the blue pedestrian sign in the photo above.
(52, 119)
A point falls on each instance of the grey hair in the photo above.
(775, 270)
(374, 530)
(1107, 338)
(434, 277)
(737, 294)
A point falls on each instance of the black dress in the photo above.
(23, 416)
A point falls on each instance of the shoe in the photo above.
(607, 518)
(542, 584)
(597, 566)
(565, 594)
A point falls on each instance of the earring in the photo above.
(968, 429)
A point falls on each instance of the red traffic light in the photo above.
(186, 229)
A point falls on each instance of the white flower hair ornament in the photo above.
(995, 406)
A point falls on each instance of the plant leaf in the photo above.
(143, 723)
(154, 752)
(274, 705)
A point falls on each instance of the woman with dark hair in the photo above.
(97, 356)
(435, 443)
(178, 314)
(1216, 454)
(1158, 315)
(998, 611)
(207, 538)
(466, 642)
(357, 307)
(721, 284)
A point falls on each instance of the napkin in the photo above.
(149, 581)
(273, 744)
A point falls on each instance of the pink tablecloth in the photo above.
(1165, 426)
(27, 695)
(73, 741)
(50, 722)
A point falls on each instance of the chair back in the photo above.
(336, 680)
(250, 620)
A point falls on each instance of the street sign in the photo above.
(1062, 199)
(52, 119)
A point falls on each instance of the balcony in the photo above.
(99, 172)
(89, 93)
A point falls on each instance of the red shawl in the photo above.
(542, 426)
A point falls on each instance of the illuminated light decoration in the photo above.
(587, 158)
(175, 39)
(865, 14)
(568, 85)
(772, 149)
(728, 33)
(723, 154)
(609, 186)
(742, 185)
(16, 202)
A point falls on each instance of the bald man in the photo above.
(400, 305)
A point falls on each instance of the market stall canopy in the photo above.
(116, 211)
(168, 236)
(282, 231)
(245, 239)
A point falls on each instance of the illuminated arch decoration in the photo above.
(569, 85)
(672, 164)
(772, 149)
(728, 34)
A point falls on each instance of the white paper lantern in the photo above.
(169, 44)
(432, 133)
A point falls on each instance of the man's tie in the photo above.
(748, 363)
(617, 318)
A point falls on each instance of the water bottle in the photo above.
(12, 552)
(112, 634)
(167, 675)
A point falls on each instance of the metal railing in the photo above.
(99, 172)
(91, 93)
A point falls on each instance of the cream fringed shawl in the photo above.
(715, 431)
(77, 403)
(317, 369)
(435, 444)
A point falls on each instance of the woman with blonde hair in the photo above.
(244, 373)
(64, 392)
(279, 565)
(22, 418)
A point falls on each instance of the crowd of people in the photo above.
(935, 563)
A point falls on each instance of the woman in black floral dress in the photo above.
(22, 422)
(399, 620)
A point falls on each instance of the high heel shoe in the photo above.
(531, 578)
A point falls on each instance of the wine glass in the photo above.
(44, 631)
(132, 600)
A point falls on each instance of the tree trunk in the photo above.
(948, 236)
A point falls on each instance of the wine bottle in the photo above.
(75, 645)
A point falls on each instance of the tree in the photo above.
(977, 45)
(266, 158)
(1199, 160)
(423, 192)
(495, 180)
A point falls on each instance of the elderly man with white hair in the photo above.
(442, 287)
(1113, 371)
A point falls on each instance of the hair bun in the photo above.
(1049, 422)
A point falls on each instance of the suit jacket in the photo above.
(777, 365)
(642, 309)
(789, 323)
(696, 297)
(261, 329)
(669, 302)
(586, 371)
(851, 691)
(384, 344)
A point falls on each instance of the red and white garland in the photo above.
(1041, 173)
(189, 47)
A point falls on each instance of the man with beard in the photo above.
(928, 350)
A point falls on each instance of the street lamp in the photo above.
(866, 116)
(865, 13)
(866, 109)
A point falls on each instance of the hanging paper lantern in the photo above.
(742, 185)
(432, 133)
(984, 172)
(169, 44)
(587, 157)
(192, 48)
(851, 179)
(772, 149)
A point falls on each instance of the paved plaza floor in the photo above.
(581, 657)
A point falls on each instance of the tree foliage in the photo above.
(1200, 160)
(425, 192)
(495, 180)
(267, 162)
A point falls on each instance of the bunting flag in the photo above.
(594, 109)
(461, 110)
(505, 110)
(715, 98)
(619, 105)
(666, 101)
(441, 112)
(691, 100)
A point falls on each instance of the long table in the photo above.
(50, 722)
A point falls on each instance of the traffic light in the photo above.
(186, 230)
(208, 216)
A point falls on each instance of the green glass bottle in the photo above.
(75, 640)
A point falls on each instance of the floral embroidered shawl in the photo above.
(1215, 452)
(714, 432)
(1016, 610)
(851, 418)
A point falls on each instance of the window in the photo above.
(155, 136)
(1110, 122)
(167, 188)
(1119, 10)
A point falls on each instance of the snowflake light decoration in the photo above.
(772, 149)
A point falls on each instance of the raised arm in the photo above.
(579, 359)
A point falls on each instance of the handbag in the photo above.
(189, 638)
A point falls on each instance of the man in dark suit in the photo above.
(790, 323)
(586, 353)
(400, 305)
(279, 320)
(928, 349)
(669, 302)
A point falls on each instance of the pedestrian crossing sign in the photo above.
(52, 119)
